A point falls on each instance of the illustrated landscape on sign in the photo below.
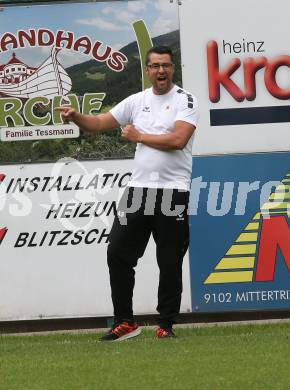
(23, 81)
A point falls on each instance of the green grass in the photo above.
(233, 357)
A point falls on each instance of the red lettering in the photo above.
(116, 61)
(8, 39)
(64, 39)
(217, 77)
(60, 38)
(251, 66)
(275, 233)
(83, 42)
(270, 78)
(3, 232)
(29, 37)
(102, 57)
(45, 37)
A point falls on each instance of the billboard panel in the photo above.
(238, 67)
(54, 225)
(239, 248)
(91, 59)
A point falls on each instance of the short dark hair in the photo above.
(159, 50)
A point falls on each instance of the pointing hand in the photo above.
(68, 113)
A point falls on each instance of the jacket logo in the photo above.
(146, 109)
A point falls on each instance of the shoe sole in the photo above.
(129, 335)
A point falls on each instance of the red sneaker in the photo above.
(121, 331)
(164, 333)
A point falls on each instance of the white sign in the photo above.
(54, 225)
(236, 60)
(39, 132)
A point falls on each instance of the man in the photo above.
(161, 120)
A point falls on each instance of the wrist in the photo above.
(76, 115)
(140, 138)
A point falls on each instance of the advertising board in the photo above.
(239, 69)
(238, 66)
(240, 253)
(91, 59)
(55, 222)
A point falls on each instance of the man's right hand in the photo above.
(68, 113)
(88, 122)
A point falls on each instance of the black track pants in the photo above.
(142, 211)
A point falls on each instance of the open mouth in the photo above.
(161, 78)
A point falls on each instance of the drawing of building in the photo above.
(15, 71)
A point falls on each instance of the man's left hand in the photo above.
(130, 133)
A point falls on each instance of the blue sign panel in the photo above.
(239, 232)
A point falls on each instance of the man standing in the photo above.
(161, 120)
